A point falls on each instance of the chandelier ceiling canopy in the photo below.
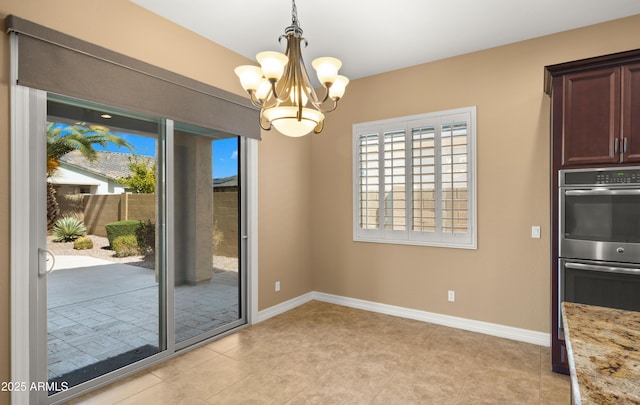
(282, 89)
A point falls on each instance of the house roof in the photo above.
(115, 165)
(112, 165)
(231, 181)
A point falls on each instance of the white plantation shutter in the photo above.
(423, 151)
(368, 181)
(415, 180)
(394, 215)
(454, 177)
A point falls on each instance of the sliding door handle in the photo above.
(46, 261)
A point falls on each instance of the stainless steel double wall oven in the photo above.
(599, 252)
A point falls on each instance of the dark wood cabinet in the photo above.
(591, 117)
(600, 116)
(630, 113)
(595, 122)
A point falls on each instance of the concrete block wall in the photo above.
(225, 216)
(98, 210)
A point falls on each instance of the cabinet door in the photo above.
(631, 113)
(591, 117)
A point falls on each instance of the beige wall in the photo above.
(507, 279)
(152, 39)
(285, 213)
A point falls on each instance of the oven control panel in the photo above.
(609, 176)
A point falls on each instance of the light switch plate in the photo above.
(535, 232)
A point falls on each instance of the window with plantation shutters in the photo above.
(415, 180)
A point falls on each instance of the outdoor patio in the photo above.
(99, 309)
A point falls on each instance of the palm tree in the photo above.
(62, 139)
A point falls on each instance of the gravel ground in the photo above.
(101, 251)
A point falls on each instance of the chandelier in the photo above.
(280, 87)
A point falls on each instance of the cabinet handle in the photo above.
(616, 146)
(625, 146)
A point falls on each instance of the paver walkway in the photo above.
(99, 309)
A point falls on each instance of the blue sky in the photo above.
(225, 157)
(225, 152)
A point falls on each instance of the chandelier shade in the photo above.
(281, 88)
(292, 122)
(326, 69)
(272, 64)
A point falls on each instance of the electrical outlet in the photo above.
(535, 232)
(451, 296)
(277, 286)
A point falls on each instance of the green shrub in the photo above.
(146, 236)
(121, 228)
(68, 229)
(83, 243)
(125, 245)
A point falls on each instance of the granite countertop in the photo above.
(603, 345)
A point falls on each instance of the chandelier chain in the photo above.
(295, 24)
(294, 13)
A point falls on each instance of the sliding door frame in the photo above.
(28, 118)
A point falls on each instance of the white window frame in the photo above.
(467, 240)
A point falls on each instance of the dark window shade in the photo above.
(52, 61)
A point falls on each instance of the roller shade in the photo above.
(52, 61)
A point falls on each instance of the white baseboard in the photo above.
(283, 307)
(487, 328)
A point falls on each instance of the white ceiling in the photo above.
(375, 36)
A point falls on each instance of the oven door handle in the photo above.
(596, 191)
(609, 269)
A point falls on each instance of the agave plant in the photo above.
(68, 229)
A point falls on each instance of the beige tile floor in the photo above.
(322, 353)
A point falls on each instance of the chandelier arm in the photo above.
(273, 90)
(311, 92)
(270, 102)
(281, 89)
(319, 103)
(334, 106)
(324, 106)
(262, 120)
(319, 127)
(254, 100)
(301, 77)
(326, 93)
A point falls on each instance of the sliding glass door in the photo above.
(137, 224)
(104, 283)
(207, 201)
